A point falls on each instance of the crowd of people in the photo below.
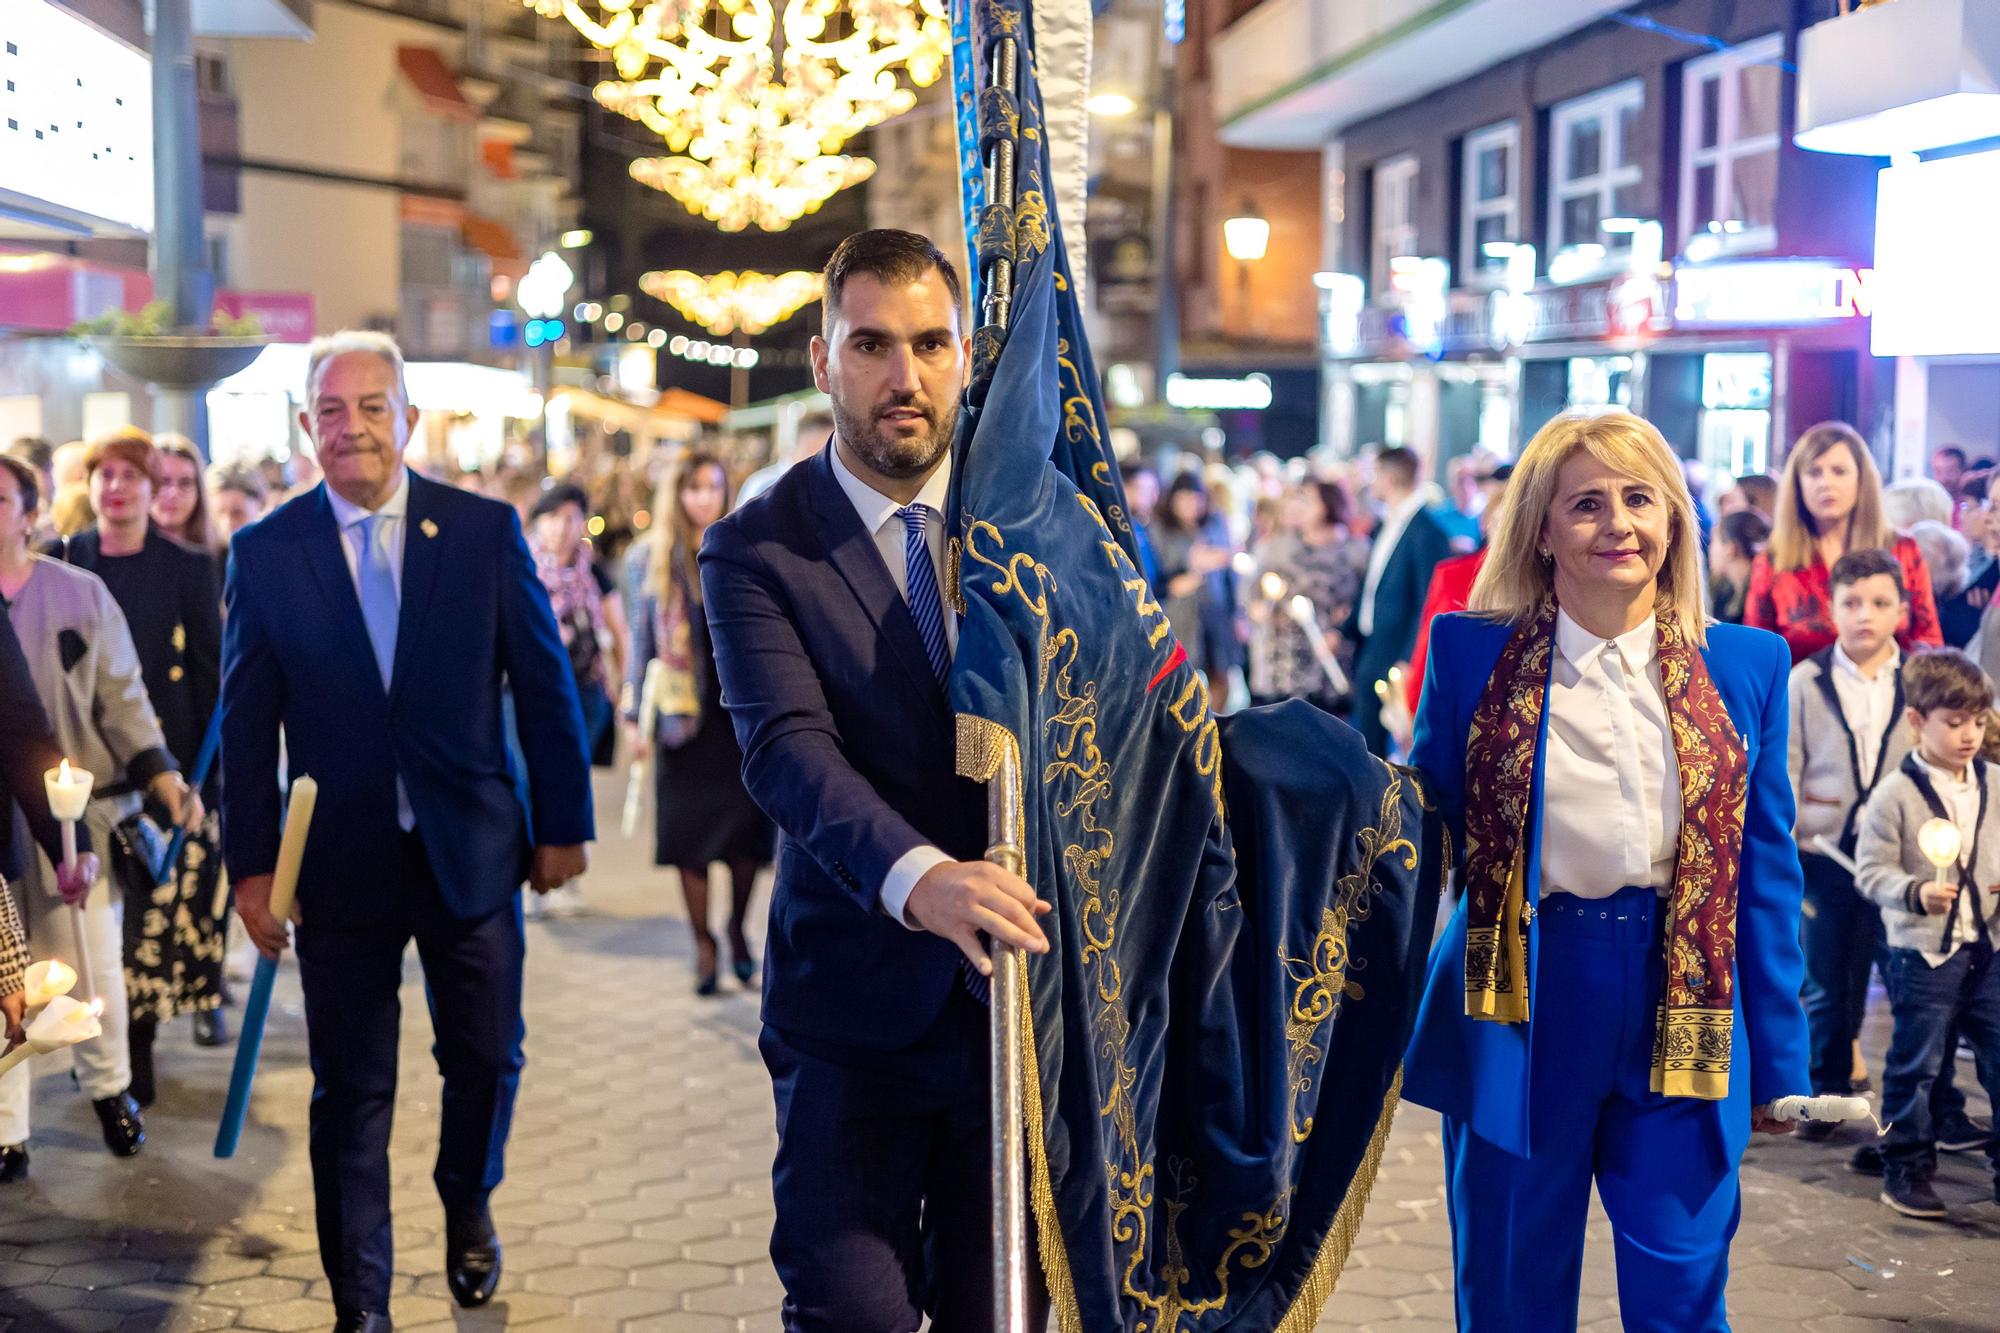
(1315, 577)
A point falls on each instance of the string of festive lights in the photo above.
(751, 143)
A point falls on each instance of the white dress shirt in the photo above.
(1866, 702)
(389, 533)
(1610, 816)
(879, 515)
(1960, 794)
(1394, 523)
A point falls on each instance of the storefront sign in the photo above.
(1937, 271)
(285, 317)
(1251, 393)
(1769, 293)
(76, 145)
(1620, 307)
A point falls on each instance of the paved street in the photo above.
(638, 1194)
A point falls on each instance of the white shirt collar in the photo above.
(1891, 665)
(1946, 777)
(877, 509)
(1399, 514)
(1578, 645)
(346, 513)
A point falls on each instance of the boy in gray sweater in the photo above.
(1847, 733)
(1940, 923)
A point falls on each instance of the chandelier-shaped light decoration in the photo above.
(752, 146)
(732, 302)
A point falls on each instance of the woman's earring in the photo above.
(1547, 558)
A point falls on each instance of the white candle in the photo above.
(48, 980)
(64, 1023)
(69, 791)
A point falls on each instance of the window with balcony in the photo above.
(1394, 216)
(1594, 170)
(1490, 200)
(1729, 148)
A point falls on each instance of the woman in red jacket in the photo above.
(1829, 503)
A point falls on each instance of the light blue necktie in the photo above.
(927, 609)
(380, 606)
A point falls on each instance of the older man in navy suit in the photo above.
(833, 645)
(377, 620)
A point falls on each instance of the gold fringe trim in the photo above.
(1041, 1190)
(954, 595)
(1333, 1252)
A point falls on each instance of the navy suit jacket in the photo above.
(1399, 600)
(848, 744)
(1478, 1070)
(296, 654)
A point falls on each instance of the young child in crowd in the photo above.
(1940, 924)
(1847, 732)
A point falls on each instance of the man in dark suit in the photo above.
(833, 643)
(1408, 543)
(377, 619)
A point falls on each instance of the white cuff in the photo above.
(902, 878)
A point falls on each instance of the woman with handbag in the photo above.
(86, 672)
(703, 812)
(172, 600)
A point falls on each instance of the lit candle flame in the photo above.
(66, 779)
(1939, 841)
(1273, 585)
(46, 980)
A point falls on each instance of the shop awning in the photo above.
(673, 406)
(431, 77)
(496, 240)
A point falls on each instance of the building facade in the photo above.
(1566, 206)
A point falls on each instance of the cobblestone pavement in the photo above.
(638, 1191)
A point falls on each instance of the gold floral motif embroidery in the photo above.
(1321, 979)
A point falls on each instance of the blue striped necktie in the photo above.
(926, 606)
(927, 609)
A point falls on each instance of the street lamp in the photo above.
(1246, 237)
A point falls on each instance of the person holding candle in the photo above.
(373, 620)
(171, 595)
(1940, 907)
(1616, 1000)
(87, 675)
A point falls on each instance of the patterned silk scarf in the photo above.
(1692, 1037)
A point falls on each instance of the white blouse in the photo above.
(1610, 815)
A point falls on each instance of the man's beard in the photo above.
(908, 456)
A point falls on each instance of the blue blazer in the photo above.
(848, 745)
(296, 655)
(1478, 1070)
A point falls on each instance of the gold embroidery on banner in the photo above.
(1031, 222)
(1082, 777)
(1321, 979)
(953, 557)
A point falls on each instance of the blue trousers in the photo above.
(1933, 1007)
(472, 979)
(1667, 1178)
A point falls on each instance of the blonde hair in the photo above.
(674, 538)
(1515, 580)
(1794, 535)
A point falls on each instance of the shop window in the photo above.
(1395, 217)
(1736, 412)
(1595, 173)
(1490, 200)
(1729, 149)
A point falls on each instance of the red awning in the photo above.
(433, 81)
(495, 239)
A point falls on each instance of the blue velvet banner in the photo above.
(1243, 906)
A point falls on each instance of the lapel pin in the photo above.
(428, 528)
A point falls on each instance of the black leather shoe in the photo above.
(211, 1028)
(124, 1131)
(13, 1164)
(471, 1255)
(361, 1321)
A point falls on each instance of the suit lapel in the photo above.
(421, 552)
(327, 558)
(851, 549)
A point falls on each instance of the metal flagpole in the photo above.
(1003, 822)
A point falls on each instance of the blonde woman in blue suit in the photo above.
(1616, 1000)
